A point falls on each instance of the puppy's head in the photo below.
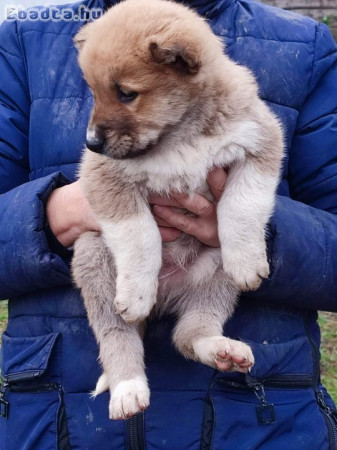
(145, 62)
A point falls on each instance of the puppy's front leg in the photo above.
(135, 242)
(121, 347)
(243, 212)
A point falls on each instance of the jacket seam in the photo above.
(313, 62)
(17, 162)
(326, 245)
(317, 184)
(279, 104)
(261, 38)
(51, 32)
(307, 125)
(326, 56)
(9, 53)
(61, 98)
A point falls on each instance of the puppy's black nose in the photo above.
(94, 140)
(95, 144)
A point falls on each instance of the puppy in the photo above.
(169, 106)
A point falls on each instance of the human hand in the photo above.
(69, 214)
(205, 226)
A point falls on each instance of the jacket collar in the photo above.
(206, 8)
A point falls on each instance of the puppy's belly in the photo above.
(200, 263)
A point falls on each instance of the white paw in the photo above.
(128, 398)
(135, 300)
(246, 267)
(224, 353)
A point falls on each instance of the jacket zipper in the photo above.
(329, 414)
(35, 388)
(5, 384)
(134, 425)
(282, 382)
(135, 432)
(330, 417)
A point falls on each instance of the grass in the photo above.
(3, 316)
(328, 323)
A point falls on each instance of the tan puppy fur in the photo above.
(169, 106)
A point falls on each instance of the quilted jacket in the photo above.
(49, 355)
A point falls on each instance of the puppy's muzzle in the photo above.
(94, 140)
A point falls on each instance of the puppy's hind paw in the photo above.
(224, 354)
(129, 398)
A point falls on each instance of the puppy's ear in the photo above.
(183, 58)
(81, 37)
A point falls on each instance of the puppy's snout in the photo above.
(95, 140)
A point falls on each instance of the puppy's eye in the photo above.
(125, 96)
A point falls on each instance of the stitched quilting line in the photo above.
(325, 259)
(62, 98)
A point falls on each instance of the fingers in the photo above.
(169, 234)
(216, 180)
(197, 204)
(177, 220)
(163, 201)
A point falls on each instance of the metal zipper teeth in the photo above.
(135, 432)
(332, 429)
(44, 387)
(331, 423)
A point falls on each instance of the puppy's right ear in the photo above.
(182, 56)
(81, 37)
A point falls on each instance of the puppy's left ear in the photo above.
(180, 57)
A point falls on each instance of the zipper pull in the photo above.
(4, 406)
(265, 412)
(321, 403)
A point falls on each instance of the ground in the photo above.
(328, 322)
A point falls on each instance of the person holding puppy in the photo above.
(49, 355)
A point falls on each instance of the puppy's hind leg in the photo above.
(198, 333)
(121, 347)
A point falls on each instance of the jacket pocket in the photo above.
(273, 419)
(31, 394)
(26, 358)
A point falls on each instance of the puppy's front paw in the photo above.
(224, 354)
(246, 267)
(128, 398)
(134, 300)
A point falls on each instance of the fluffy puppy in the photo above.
(169, 106)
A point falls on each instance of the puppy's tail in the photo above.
(101, 386)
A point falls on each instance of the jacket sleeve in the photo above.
(303, 241)
(26, 262)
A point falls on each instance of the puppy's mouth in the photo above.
(131, 154)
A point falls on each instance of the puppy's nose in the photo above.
(94, 141)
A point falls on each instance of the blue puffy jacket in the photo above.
(49, 355)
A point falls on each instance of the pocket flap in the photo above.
(292, 357)
(25, 358)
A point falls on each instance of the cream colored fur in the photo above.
(195, 109)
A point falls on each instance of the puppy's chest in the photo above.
(186, 183)
(181, 169)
